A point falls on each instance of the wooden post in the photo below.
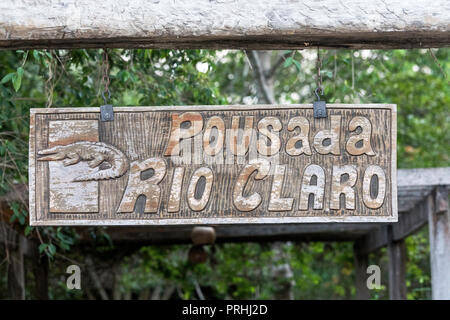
(361, 264)
(397, 269)
(40, 270)
(16, 271)
(439, 227)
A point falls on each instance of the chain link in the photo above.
(105, 76)
(319, 76)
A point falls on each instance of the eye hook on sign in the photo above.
(106, 110)
(316, 92)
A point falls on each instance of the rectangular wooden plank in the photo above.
(214, 165)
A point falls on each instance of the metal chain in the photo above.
(105, 77)
(319, 76)
(438, 64)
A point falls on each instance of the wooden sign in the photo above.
(213, 165)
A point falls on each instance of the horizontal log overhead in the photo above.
(240, 233)
(415, 184)
(409, 179)
(227, 24)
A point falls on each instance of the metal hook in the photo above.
(109, 95)
(317, 94)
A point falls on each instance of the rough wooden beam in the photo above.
(373, 240)
(361, 264)
(8, 236)
(239, 233)
(410, 179)
(410, 222)
(241, 24)
(11, 238)
(16, 271)
(407, 224)
(40, 268)
(397, 270)
(439, 226)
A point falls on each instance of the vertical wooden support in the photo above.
(40, 270)
(16, 271)
(439, 227)
(397, 268)
(361, 264)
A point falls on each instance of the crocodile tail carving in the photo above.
(118, 168)
(94, 153)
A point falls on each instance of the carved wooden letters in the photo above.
(213, 164)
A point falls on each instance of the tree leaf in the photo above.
(43, 247)
(288, 62)
(28, 230)
(8, 77)
(36, 55)
(17, 79)
(297, 65)
(52, 249)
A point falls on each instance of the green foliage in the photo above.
(418, 267)
(19, 213)
(409, 78)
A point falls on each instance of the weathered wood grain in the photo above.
(251, 185)
(65, 195)
(397, 269)
(439, 233)
(230, 24)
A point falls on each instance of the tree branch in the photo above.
(270, 73)
(95, 278)
(198, 290)
(168, 291)
(255, 63)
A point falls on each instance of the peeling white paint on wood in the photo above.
(303, 124)
(316, 190)
(277, 203)
(251, 202)
(65, 194)
(175, 192)
(200, 204)
(339, 187)
(150, 189)
(332, 135)
(217, 144)
(224, 24)
(239, 146)
(272, 134)
(364, 137)
(439, 233)
(374, 203)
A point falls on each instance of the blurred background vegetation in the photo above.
(415, 80)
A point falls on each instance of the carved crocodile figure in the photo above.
(93, 152)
